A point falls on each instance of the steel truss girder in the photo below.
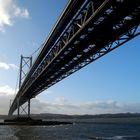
(83, 61)
(72, 31)
(106, 49)
(65, 68)
(69, 32)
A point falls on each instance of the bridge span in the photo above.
(85, 31)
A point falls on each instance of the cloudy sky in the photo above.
(109, 85)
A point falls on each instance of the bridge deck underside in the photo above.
(98, 27)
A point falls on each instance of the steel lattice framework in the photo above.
(86, 30)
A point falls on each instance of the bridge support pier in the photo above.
(18, 108)
(26, 109)
(29, 108)
(25, 64)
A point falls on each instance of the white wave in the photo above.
(116, 138)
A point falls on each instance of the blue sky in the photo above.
(109, 85)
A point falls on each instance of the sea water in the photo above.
(81, 129)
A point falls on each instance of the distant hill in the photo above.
(3, 117)
(86, 116)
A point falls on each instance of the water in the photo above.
(83, 129)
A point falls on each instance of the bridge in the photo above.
(85, 31)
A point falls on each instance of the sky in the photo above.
(109, 85)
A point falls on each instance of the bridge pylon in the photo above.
(25, 65)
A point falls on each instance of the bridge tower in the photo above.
(25, 65)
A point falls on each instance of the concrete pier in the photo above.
(30, 121)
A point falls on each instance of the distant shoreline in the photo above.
(86, 116)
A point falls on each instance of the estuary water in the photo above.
(81, 129)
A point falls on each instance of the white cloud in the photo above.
(6, 94)
(21, 12)
(4, 103)
(10, 10)
(4, 66)
(7, 66)
(13, 66)
(6, 90)
(63, 106)
(60, 101)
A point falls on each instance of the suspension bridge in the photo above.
(85, 31)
